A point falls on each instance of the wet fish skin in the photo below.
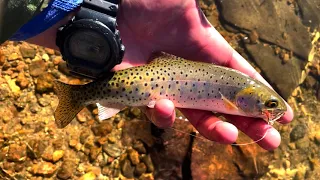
(189, 84)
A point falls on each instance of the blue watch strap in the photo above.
(56, 11)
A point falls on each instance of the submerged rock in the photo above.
(271, 20)
(45, 83)
(127, 169)
(283, 77)
(212, 160)
(37, 68)
(309, 11)
(16, 153)
(298, 132)
(43, 168)
(27, 51)
(112, 150)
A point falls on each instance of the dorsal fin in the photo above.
(162, 57)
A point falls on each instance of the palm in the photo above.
(166, 25)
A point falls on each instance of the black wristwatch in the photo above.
(90, 43)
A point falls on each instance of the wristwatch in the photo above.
(90, 42)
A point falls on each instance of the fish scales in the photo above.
(188, 84)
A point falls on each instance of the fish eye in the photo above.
(272, 103)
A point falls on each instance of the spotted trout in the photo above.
(188, 84)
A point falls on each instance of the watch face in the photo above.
(89, 45)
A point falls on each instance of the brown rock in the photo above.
(148, 162)
(18, 167)
(102, 129)
(57, 60)
(88, 176)
(2, 59)
(37, 67)
(102, 140)
(27, 51)
(43, 168)
(112, 139)
(140, 169)
(47, 156)
(127, 169)
(49, 51)
(133, 156)
(84, 135)
(16, 153)
(84, 115)
(44, 83)
(139, 146)
(13, 56)
(317, 138)
(57, 155)
(94, 152)
(45, 57)
(271, 19)
(146, 177)
(253, 37)
(22, 81)
(73, 143)
(318, 93)
(216, 161)
(36, 148)
(112, 150)
(66, 169)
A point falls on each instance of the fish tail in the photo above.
(68, 106)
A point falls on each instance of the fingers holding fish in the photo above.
(211, 127)
(163, 114)
(258, 130)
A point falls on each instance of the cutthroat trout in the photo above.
(188, 84)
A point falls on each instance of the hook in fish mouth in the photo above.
(271, 116)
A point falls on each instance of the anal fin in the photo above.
(107, 110)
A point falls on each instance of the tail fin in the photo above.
(68, 107)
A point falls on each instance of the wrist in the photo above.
(43, 26)
(48, 37)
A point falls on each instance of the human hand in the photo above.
(179, 27)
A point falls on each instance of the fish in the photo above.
(188, 84)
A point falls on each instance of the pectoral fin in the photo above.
(107, 110)
(228, 104)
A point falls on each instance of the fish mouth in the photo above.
(272, 116)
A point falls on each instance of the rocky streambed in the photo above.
(128, 146)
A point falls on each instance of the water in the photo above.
(272, 36)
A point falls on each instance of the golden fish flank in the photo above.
(188, 84)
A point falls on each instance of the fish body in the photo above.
(188, 84)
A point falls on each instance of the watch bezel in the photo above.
(90, 70)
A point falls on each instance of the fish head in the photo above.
(259, 100)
